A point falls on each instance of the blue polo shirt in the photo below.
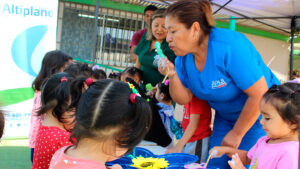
(232, 66)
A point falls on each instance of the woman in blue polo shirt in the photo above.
(220, 66)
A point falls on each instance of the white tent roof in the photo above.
(262, 8)
(250, 8)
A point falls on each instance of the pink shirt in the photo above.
(137, 37)
(35, 121)
(49, 140)
(274, 156)
(62, 161)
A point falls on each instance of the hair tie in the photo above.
(63, 79)
(167, 82)
(88, 81)
(133, 98)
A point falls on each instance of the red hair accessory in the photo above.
(64, 79)
(88, 81)
(133, 98)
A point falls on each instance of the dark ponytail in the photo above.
(157, 132)
(77, 88)
(56, 95)
(105, 111)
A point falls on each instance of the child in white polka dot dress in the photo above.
(111, 119)
(53, 62)
(52, 135)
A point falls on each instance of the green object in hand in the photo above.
(159, 51)
(149, 87)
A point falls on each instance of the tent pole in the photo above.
(95, 33)
(222, 7)
(247, 17)
(232, 23)
(293, 24)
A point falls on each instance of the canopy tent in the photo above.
(276, 16)
(271, 15)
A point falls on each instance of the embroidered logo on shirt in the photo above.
(218, 83)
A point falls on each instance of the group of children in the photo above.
(80, 119)
(74, 112)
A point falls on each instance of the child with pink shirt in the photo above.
(280, 109)
(52, 134)
(53, 62)
(111, 119)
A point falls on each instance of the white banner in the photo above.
(28, 31)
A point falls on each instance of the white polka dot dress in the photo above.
(49, 140)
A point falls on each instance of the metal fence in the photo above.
(115, 30)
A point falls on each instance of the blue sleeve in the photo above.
(181, 70)
(241, 62)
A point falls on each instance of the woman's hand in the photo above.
(151, 93)
(232, 139)
(236, 162)
(163, 68)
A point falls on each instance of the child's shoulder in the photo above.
(263, 139)
(61, 160)
(52, 131)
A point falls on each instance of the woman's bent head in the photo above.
(188, 22)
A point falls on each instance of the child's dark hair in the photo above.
(79, 69)
(150, 8)
(286, 100)
(99, 74)
(132, 71)
(114, 75)
(2, 123)
(56, 95)
(103, 113)
(77, 88)
(164, 88)
(52, 63)
(157, 132)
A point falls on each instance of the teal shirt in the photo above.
(146, 59)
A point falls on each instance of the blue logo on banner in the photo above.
(24, 45)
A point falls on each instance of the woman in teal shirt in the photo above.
(146, 49)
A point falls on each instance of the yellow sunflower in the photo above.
(149, 163)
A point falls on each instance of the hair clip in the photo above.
(167, 82)
(88, 81)
(133, 98)
(63, 79)
(131, 86)
(96, 67)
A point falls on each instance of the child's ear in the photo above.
(136, 79)
(294, 127)
(163, 96)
